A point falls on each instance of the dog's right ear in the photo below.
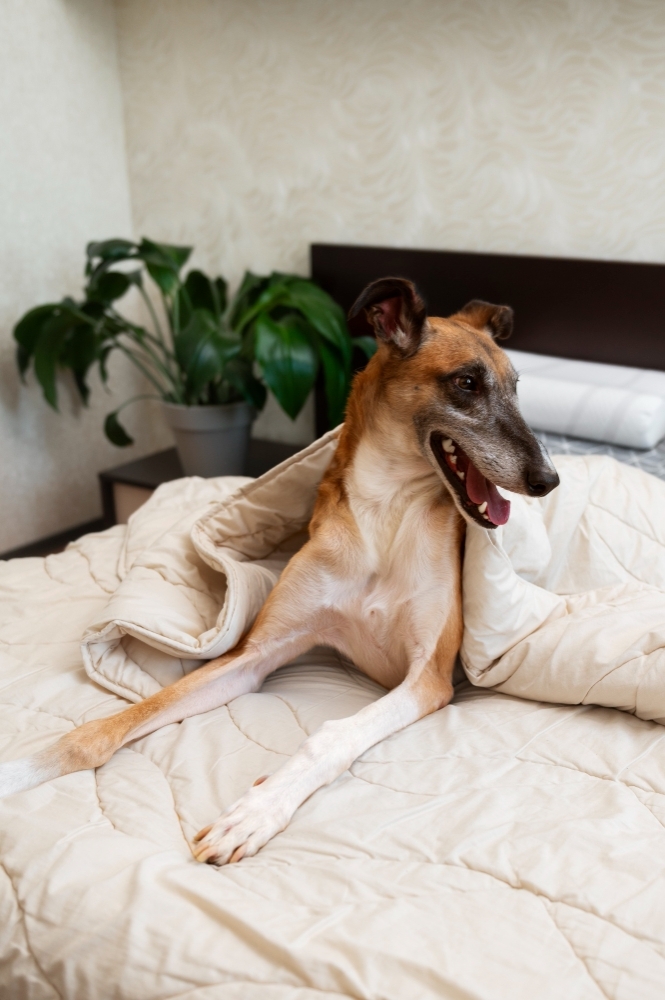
(495, 320)
(395, 310)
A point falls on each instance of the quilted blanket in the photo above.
(565, 603)
(501, 848)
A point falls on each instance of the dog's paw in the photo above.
(244, 828)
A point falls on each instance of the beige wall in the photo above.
(63, 181)
(254, 127)
(259, 126)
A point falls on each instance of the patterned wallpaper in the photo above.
(255, 127)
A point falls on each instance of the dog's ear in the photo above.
(395, 310)
(495, 320)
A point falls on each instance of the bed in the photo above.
(501, 848)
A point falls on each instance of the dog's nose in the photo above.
(542, 482)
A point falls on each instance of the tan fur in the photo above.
(379, 580)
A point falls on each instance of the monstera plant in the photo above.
(205, 355)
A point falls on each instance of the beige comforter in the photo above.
(501, 848)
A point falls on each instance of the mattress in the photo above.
(500, 848)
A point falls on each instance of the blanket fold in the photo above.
(566, 603)
(200, 558)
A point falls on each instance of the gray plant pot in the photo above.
(211, 440)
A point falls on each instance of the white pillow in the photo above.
(586, 399)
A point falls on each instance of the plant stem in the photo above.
(255, 310)
(140, 337)
(141, 367)
(175, 313)
(135, 399)
(153, 314)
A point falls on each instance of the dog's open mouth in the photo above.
(480, 498)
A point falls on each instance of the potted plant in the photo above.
(209, 359)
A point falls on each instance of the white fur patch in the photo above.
(19, 775)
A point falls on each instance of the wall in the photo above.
(254, 127)
(63, 181)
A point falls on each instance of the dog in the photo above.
(432, 428)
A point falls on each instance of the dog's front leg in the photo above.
(268, 806)
(275, 639)
(285, 628)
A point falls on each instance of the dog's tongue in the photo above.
(480, 490)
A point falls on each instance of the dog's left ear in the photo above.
(495, 320)
(396, 311)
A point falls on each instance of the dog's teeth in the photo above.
(449, 446)
(460, 474)
(486, 517)
(453, 459)
(482, 507)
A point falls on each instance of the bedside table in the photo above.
(125, 488)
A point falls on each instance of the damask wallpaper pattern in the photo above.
(258, 126)
(255, 127)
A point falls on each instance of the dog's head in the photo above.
(457, 388)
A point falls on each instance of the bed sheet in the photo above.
(498, 849)
(651, 460)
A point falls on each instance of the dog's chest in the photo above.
(394, 610)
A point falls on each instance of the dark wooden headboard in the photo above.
(594, 310)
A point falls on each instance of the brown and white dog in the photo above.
(432, 427)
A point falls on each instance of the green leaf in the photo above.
(272, 296)
(111, 250)
(222, 293)
(164, 262)
(287, 360)
(108, 286)
(183, 307)
(22, 360)
(202, 293)
(177, 255)
(250, 289)
(103, 360)
(164, 276)
(115, 432)
(107, 253)
(94, 310)
(321, 311)
(47, 353)
(337, 383)
(201, 352)
(196, 354)
(239, 373)
(79, 353)
(27, 331)
(367, 345)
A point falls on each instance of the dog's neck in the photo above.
(378, 473)
(389, 476)
(387, 466)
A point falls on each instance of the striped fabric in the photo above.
(651, 461)
(597, 402)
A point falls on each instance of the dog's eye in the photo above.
(468, 383)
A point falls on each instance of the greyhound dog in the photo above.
(432, 428)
